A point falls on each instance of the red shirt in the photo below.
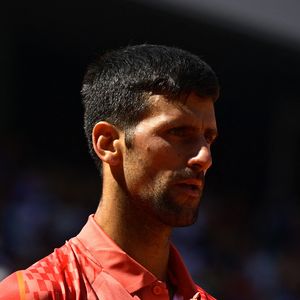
(91, 266)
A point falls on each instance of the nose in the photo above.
(202, 159)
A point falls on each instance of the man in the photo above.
(150, 122)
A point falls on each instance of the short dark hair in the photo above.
(117, 85)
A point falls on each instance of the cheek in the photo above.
(162, 156)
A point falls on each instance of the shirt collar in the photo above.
(132, 275)
(179, 275)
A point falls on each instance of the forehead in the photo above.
(193, 109)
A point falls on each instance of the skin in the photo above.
(156, 184)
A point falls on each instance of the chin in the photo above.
(185, 223)
(183, 219)
(177, 210)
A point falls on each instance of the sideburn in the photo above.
(129, 134)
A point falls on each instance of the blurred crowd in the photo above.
(239, 249)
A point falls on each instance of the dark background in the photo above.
(246, 242)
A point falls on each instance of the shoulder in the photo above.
(49, 278)
(9, 287)
(23, 285)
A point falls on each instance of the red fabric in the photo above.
(91, 266)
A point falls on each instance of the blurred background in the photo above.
(245, 244)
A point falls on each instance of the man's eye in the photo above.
(176, 131)
(180, 131)
(210, 138)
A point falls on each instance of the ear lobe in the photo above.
(106, 143)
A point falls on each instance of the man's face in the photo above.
(165, 166)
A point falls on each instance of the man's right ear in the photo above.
(106, 143)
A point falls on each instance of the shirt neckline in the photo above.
(132, 275)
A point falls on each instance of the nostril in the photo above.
(201, 160)
(196, 167)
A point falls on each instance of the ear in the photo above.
(106, 143)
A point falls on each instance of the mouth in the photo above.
(191, 187)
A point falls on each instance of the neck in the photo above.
(141, 237)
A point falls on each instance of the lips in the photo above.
(192, 187)
(193, 182)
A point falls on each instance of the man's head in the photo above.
(117, 87)
(149, 118)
